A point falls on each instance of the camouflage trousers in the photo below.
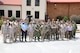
(54, 34)
(17, 35)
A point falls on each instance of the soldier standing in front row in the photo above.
(58, 29)
(48, 28)
(54, 30)
(30, 31)
(62, 30)
(43, 30)
(4, 31)
(11, 32)
(17, 31)
(74, 29)
(37, 31)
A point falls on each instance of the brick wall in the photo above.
(74, 9)
(58, 9)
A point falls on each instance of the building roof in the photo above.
(11, 2)
(19, 2)
(64, 1)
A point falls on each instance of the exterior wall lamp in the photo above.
(55, 5)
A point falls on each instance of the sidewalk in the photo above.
(70, 46)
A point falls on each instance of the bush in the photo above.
(78, 20)
(75, 18)
(12, 18)
(59, 17)
(1, 22)
(65, 18)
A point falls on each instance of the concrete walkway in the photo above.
(69, 46)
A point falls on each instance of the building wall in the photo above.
(10, 7)
(33, 8)
(74, 9)
(61, 9)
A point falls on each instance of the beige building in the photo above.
(23, 8)
(10, 8)
(9, 11)
(36, 8)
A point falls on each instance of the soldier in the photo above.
(48, 28)
(37, 31)
(4, 31)
(54, 30)
(62, 30)
(17, 31)
(30, 31)
(43, 31)
(11, 32)
(57, 29)
(74, 29)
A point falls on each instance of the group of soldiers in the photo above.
(39, 30)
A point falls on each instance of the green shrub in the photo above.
(1, 22)
(12, 18)
(78, 20)
(65, 18)
(73, 18)
(59, 17)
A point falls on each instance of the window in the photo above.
(28, 2)
(28, 13)
(1, 12)
(9, 13)
(18, 14)
(37, 2)
(37, 14)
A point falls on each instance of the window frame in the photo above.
(18, 11)
(37, 16)
(28, 12)
(28, 2)
(2, 13)
(9, 13)
(37, 2)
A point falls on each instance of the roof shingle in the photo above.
(11, 2)
(63, 0)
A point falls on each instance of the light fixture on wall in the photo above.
(55, 5)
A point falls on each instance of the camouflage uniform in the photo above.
(17, 32)
(58, 29)
(74, 30)
(30, 32)
(4, 32)
(37, 31)
(48, 31)
(43, 31)
(11, 33)
(54, 30)
(62, 30)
